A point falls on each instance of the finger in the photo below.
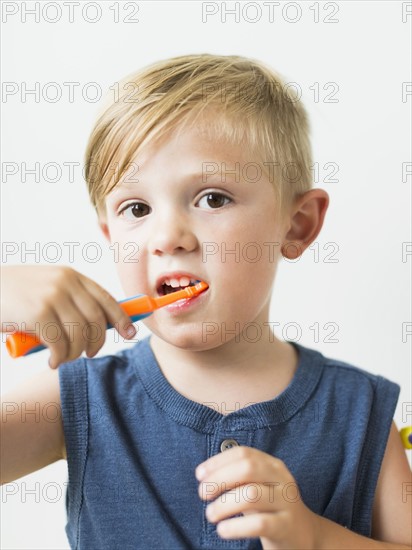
(53, 336)
(112, 310)
(96, 320)
(271, 527)
(227, 457)
(49, 332)
(70, 338)
(255, 467)
(246, 499)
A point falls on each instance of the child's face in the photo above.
(170, 218)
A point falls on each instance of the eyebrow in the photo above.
(201, 176)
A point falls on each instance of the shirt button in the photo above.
(228, 444)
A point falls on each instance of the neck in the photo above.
(238, 371)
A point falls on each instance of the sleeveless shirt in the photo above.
(133, 443)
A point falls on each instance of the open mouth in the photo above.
(173, 285)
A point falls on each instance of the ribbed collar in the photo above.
(205, 419)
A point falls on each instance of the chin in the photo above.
(187, 338)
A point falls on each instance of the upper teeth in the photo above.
(182, 281)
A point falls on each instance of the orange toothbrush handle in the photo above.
(20, 343)
(138, 307)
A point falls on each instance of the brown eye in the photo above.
(136, 210)
(213, 200)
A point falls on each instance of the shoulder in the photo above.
(130, 357)
(335, 371)
(104, 379)
(350, 392)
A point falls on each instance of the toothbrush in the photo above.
(138, 307)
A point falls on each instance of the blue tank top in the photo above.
(133, 443)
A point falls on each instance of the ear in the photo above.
(306, 222)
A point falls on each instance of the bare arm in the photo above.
(35, 297)
(31, 426)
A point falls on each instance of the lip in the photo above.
(175, 275)
(182, 306)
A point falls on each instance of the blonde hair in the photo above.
(253, 105)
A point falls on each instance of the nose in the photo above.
(171, 233)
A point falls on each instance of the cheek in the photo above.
(244, 268)
(130, 264)
(248, 285)
(248, 250)
(242, 280)
(129, 279)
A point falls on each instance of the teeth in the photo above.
(179, 282)
(184, 281)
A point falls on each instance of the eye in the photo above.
(135, 210)
(213, 200)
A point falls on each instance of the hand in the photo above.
(261, 488)
(67, 311)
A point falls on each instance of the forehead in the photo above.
(205, 148)
(194, 147)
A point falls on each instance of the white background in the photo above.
(366, 292)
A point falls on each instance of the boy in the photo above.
(308, 457)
